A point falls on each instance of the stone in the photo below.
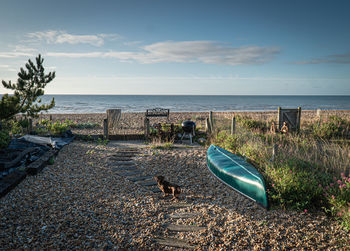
(172, 242)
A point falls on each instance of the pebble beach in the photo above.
(91, 198)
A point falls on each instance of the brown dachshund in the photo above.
(168, 188)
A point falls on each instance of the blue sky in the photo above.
(181, 47)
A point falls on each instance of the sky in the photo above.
(180, 47)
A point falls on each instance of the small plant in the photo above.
(102, 142)
(54, 128)
(333, 128)
(165, 146)
(250, 124)
(337, 194)
(4, 139)
(86, 125)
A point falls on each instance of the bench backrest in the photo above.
(157, 112)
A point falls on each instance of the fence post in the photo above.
(207, 125)
(233, 125)
(299, 118)
(279, 125)
(147, 128)
(211, 121)
(274, 152)
(105, 128)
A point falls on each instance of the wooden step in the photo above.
(126, 174)
(183, 215)
(184, 228)
(125, 168)
(139, 178)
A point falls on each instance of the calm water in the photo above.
(139, 103)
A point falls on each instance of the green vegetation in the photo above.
(308, 172)
(4, 139)
(335, 127)
(29, 87)
(164, 146)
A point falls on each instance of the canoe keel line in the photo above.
(237, 174)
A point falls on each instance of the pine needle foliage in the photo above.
(26, 92)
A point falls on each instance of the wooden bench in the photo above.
(157, 112)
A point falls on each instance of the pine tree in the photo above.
(29, 87)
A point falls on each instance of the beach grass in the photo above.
(302, 167)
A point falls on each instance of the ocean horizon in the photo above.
(192, 103)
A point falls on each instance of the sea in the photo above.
(191, 103)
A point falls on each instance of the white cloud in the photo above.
(61, 37)
(15, 54)
(330, 59)
(206, 52)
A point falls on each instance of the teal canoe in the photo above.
(237, 174)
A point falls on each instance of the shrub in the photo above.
(295, 184)
(4, 139)
(337, 194)
(334, 127)
(250, 124)
(54, 128)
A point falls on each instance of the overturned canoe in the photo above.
(238, 174)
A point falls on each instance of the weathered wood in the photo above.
(113, 119)
(184, 228)
(207, 125)
(125, 168)
(211, 121)
(274, 152)
(126, 174)
(139, 178)
(233, 125)
(183, 215)
(291, 117)
(147, 128)
(157, 112)
(172, 242)
(105, 128)
(177, 205)
(123, 163)
(298, 119)
(39, 164)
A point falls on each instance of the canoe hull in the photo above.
(237, 174)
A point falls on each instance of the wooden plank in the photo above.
(172, 242)
(183, 215)
(177, 205)
(123, 163)
(125, 174)
(184, 228)
(138, 178)
(120, 158)
(125, 168)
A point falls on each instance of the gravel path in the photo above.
(83, 202)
